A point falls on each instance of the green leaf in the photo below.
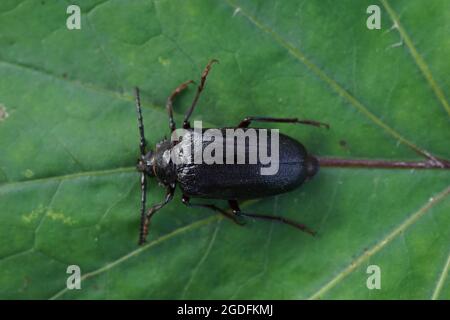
(69, 194)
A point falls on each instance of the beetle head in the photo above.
(145, 164)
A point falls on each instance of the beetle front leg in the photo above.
(200, 87)
(169, 104)
(151, 211)
(237, 211)
(248, 120)
(186, 200)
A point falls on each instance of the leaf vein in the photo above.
(138, 251)
(442, 278)
(69, 176)
(84, 85)
(300, 56)
(421, 64)
(381, 244)
(203, 259)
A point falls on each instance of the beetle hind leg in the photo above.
(248, 120)
(237, 211)
(186, 201)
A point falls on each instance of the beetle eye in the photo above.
(140, 165)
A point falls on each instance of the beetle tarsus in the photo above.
(143, 234)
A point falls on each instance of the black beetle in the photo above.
(220, 181)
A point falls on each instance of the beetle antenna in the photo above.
(142, 231)
(143, 177)
(140, 123)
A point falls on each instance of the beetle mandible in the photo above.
(231, 182)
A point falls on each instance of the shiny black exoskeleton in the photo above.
(231, 182)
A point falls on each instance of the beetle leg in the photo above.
(247, 120)
(186, 124)
(151, 211)
(237, 211)
(169, 104)
(186, 200)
